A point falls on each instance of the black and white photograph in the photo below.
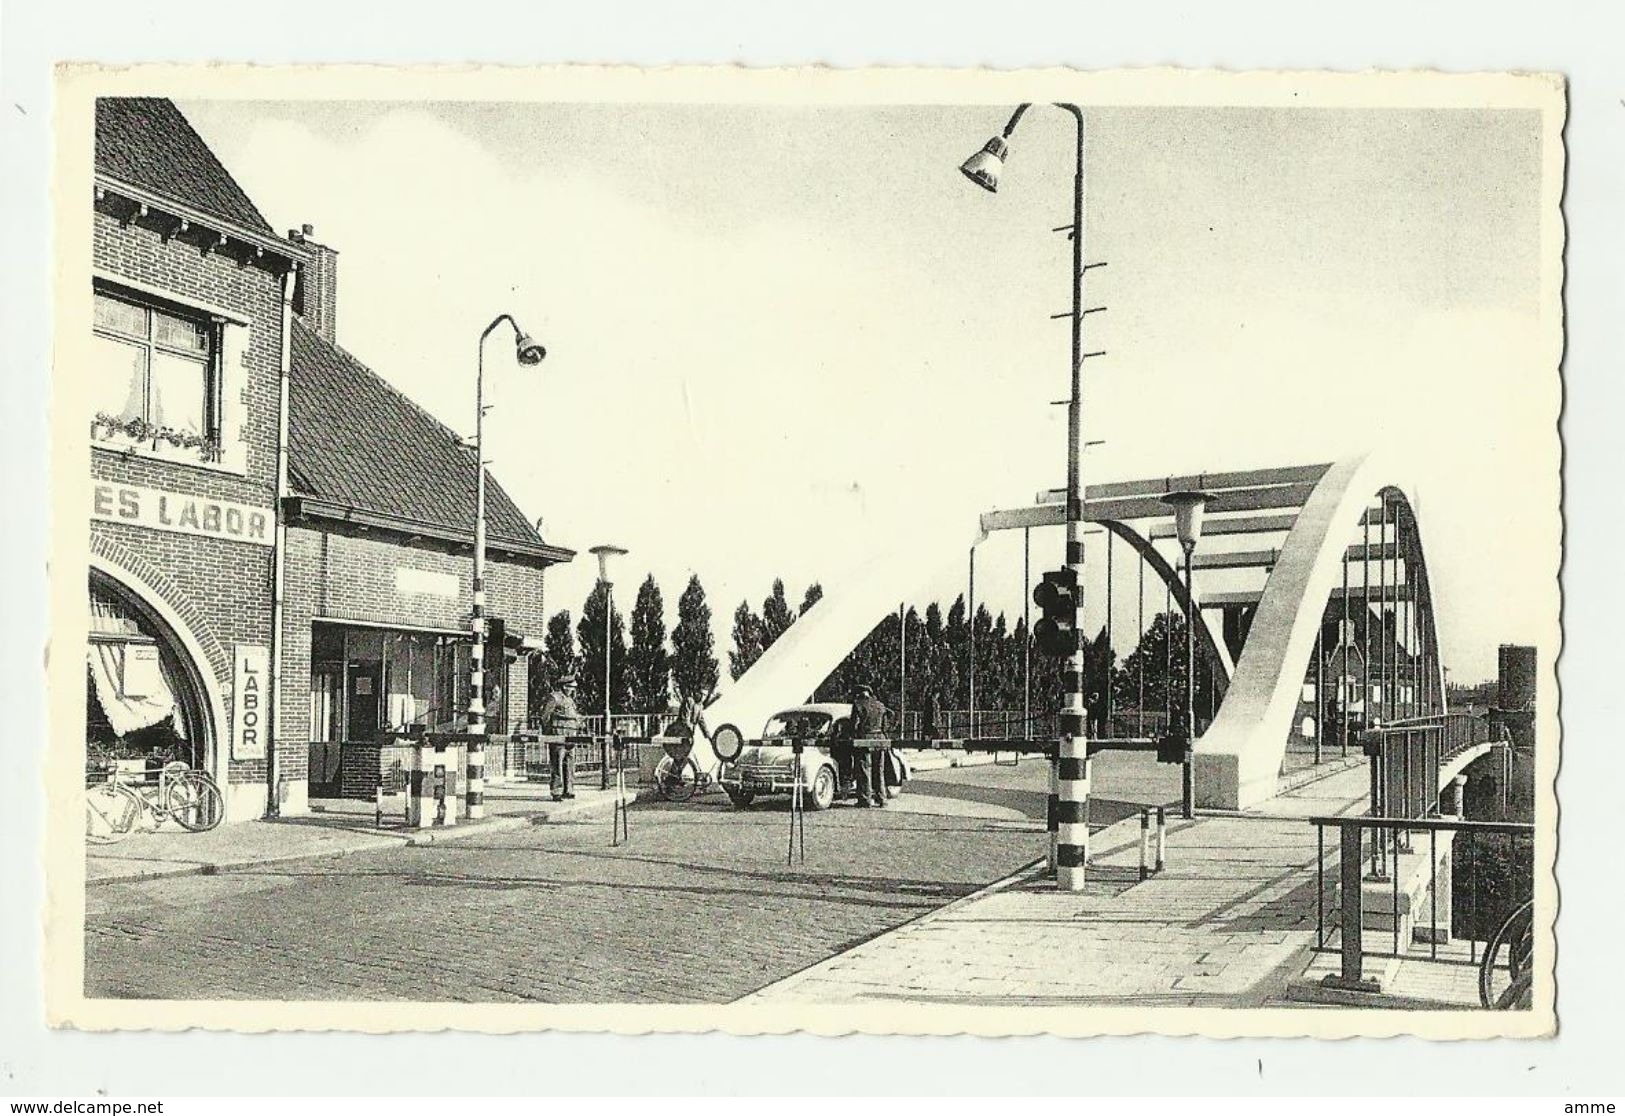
(906, 552)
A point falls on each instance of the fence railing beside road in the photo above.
(529, 758)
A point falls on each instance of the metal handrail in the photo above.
(1438, 825)
(1352, 878)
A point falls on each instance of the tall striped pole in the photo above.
(1052, 814)
(526, 352)
(1072, 755)
(1072, 812)
(984, 169)
(474, 791)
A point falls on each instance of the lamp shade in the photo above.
(984, 167)
(604, 554)
(1188, 507)
(528, 350)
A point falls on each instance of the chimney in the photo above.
(318, 293)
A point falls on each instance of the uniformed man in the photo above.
(869, 723)
(1096, 709)
(561, 718)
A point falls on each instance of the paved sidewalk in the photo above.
(333, 828)
(1227, 923)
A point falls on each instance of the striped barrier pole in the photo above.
(432, 786)
(1072, 813)
(798, 817)
(1145, 840)
(1162, 837)
(1052, 814)
(619, 830)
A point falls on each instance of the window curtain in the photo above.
(127, 713)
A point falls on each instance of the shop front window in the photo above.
(369, 680)
(140, 701)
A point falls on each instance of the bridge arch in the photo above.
(1238, 759)
(1210, 643)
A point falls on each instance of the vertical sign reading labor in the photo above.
(251, 670)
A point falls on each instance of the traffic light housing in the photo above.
(496, 640)
(1056, 632)
(1172, 748)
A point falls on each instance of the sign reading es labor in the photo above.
(175, 511)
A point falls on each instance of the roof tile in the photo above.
(354, 439)
(146, 142)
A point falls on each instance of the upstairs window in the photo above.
(156, 378)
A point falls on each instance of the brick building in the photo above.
(184, 409)
(379, 560)
(276, 535)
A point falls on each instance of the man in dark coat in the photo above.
(560, 718)
(869, 723)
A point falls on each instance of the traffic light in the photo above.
(1172, 748)
(1056, 632)
(496, 639)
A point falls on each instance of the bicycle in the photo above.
(677, 776)
(118, 807)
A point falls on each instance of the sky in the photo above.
(778, 334)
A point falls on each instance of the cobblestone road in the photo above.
(698, 907)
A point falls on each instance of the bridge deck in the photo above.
(1225, 924)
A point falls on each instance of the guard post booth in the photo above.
(420, 778)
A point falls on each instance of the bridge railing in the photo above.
(917, 724)
(1407, 757)
(1476, 875)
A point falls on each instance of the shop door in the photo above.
(326, 731)
(365, 704)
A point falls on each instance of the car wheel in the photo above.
(740, 797)
(895, 763)
(822, 792)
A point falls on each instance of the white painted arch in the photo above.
(1238, 760)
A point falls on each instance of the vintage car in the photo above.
(768, 765)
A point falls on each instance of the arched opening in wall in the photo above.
(143, 696)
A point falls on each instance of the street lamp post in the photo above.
(604, 554)
(528, 353)
(1070, 769)
(1188, 507)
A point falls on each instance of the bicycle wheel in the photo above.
(1509, 954)
(194, 800)
(111, 813)
(675, 781)
(685, 780)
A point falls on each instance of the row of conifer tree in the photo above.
(926, 652)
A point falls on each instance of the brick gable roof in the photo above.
(146, 142)
(355, 440)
